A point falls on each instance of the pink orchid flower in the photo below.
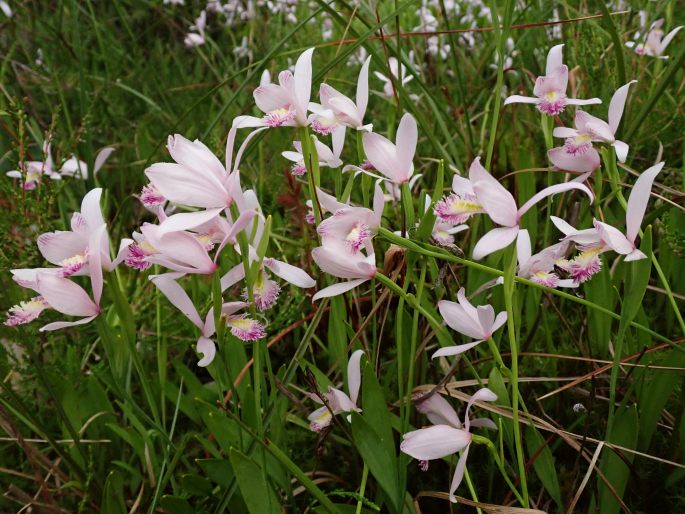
(550, 89)
(654, 45)
(344, 111)
(74, 167)
(590, 129)
(398, 73)
(501, 207)
(242, 327)
(285, 103)
(441, 440)
(327, 158)
(539, 268)
(32, 171)
(475, 322)
(338, 401)
(196, 179)
(394, 161)
(72, 249)
(603, 237)
(353, 227)
(197, 38)
(59, 293)
(459, 206)
(336, 259)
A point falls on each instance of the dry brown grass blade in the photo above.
(490, 508)
(593, 463)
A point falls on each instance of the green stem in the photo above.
(308, 154)
(509, 292)
(362, 488)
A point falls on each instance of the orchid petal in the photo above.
(621, 150)
(338, 289)
(438, 410)
(579, 163)
(65, 296)
(296, 276)
(493, 196)
(57, 325)
(639, 197)
(187, 220)
(554, 59)
(458, 473)
(407, 137)
(177, 296)
(362, 98)
(101, 158)
(455, 350)
(434, 442)
(617, 104)
(553, 190)
(354, 377)
(494, 240)
(518, 99)
(207, 348)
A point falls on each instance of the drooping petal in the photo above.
(101, 158)
(617, 104)
(65, 296)
(621, 150)
(482, 395)
(434, 442)
(455, 350)
(354, 376)
(500, 320)
(459, 473)
(58, 325)
(337, 261)
(518, 99)
(177, 296)
(553, 190)
(639, 197)
(338, 289)
(523, 247)
(207, 348)
(296, 276)
(494, 240)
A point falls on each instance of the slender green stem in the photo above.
(308, 154)
(509, 292)
(362, 488)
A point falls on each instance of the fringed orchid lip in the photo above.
(244, 328)
(26, 311)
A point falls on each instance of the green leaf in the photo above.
(176, 505)
(375, 409)
(218, 471)
(258, 495)
(544, 463)
(382, 465)
(613, 467)
(195, 485)
(113, 495)
(638, 278)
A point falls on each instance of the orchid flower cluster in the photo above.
(205, 219)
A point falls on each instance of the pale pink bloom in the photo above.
(443, 233)
(169, 286)
(265, 290)
(550, 89)
(74, 167)
(176, 250)
(285, 103)
(71, 249)
(502, 209)
(539, 268)
(441, 440)
(475, 322)
(398, 72)
(590, 129)
(394, 161)
(327, 158)
(338, 401)
(353, 227)
(345, 111)
(197, 38)
(32, 171)
(337, 260)
(459, 206)
(578, 156)
(26, 311)
(196, 179)
(655, 43)
(607, 237)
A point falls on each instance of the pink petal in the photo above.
(187, 220)
(455, 350)
(90, 208)
(614, 238)
(495, 199)
(438, 411)
(57, 325)
(187, 187)
(101, 158)
(518, 99)
(177, 296)
(434, 442)
(207, 348)
(271, 97)
(354, 377)
(338, 262)
(459, 472)
(621, 150)
(362, 98)
(523, 249)
(553, 190)
(303, 83)
(233, 276)
(639, 197)
(381, 153)
(296, 276)
(407, 137)
(338, 289)
(554, 59)
(57, 246)
(579, 163)
(617, 104)
(95, 261)
(565, 132)
(457, 318)
(65, 296)
(195, 156)
(500, 320)
(494, 240)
